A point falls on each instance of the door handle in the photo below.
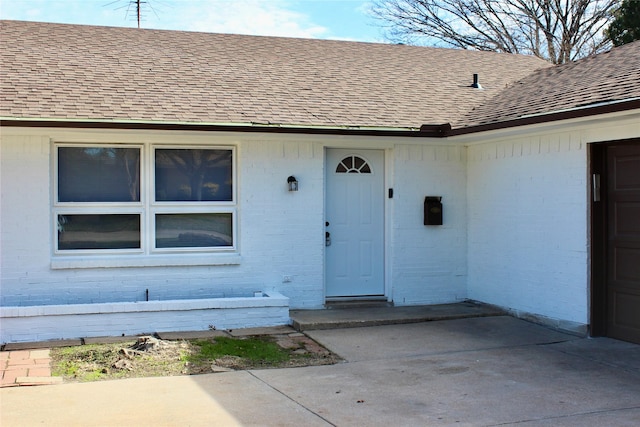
(596, 187)
(327, 238)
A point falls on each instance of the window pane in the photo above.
(98, 174)
(100, 231)
(193, 175)
(194, 230)
(353, 164)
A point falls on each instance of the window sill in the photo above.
(119, 261)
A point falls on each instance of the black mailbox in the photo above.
(433, 210)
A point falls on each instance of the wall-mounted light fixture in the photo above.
(293, 183)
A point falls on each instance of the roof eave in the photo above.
(423, 131)
(553, 116)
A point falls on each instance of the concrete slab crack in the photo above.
(560, 417)
(291, 399)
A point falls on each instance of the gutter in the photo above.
(433, 131)
(425, 131)
(552, 116)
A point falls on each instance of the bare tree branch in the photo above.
(556, 30)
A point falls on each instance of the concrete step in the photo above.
(306, 320)
(357, 303)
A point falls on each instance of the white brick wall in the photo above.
(429, 262)
(514, 234)
(528, 218)
(24, 213)
(280, 233)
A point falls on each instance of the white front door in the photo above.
(354, 252)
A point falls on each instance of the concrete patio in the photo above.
(482, 371)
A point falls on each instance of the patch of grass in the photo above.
(255, 349)
(98, 362)
(65, 368)
(94, 375)
(84, 363)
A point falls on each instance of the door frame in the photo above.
(598, 255)
(387, 154)
(597, 153)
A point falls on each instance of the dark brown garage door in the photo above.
(623, 241)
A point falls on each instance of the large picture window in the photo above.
(144, 199)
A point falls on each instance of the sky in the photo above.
(318, 19)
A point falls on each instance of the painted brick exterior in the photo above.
(429, 265)
(280, 233)
(528, 222)
(515, 230)
(25, 179)
(528, 225)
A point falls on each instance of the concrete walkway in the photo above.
(484, 371)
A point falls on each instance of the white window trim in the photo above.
(147, 208)
(199, 209)
(164, 260)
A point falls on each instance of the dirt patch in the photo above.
(149, 357)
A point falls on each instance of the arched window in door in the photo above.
(353, 164)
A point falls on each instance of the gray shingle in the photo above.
(84, 72)
(607, 77)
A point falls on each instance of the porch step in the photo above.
(307, 320)
(359, 303)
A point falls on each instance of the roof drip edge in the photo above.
(429, 131)
(425, 131)
(553, 116)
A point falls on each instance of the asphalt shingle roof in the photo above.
(607, 77)
(76, 72)
(58, 71)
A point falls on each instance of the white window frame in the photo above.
(147, 208)
(176, 207)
